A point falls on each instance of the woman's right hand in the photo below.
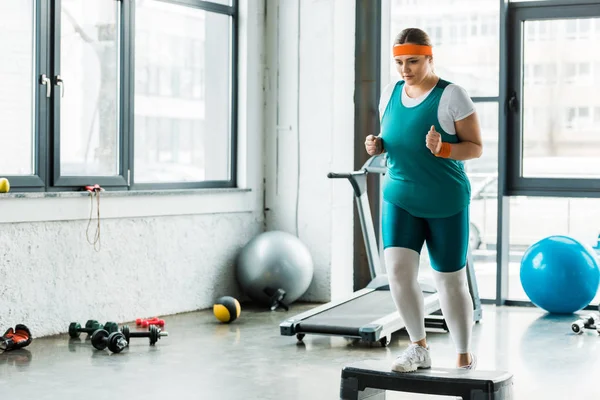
(374, 145)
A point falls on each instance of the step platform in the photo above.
(370, 380)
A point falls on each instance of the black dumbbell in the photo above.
(115, 341)
(154, 334)
(90, 327)
(111, 327)
(586, 322)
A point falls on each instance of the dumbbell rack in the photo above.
(588, 321)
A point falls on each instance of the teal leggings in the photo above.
(447, 238)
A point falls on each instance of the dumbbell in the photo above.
(90, 326)
(150, 321)
(586, 322)
(111, 327)
(115, 341)
(153, 333)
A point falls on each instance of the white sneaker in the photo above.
(473, 364)
(412, 358)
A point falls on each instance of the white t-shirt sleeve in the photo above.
(461, 105)
(455, 105)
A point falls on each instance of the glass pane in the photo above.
(89, 62)
(225, 2)
(17, 105)
(182, 59)
(561, 138)
(483, 175)
(534, 218)
(452, 32)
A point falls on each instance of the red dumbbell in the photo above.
(145, 322)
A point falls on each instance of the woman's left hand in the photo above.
(433, 140)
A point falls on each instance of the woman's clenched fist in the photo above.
(373, 145)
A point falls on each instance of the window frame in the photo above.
(232, 12)
(516, 184)
(67, 182)
(37, 180)
(46, 176)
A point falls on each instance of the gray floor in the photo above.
(202, 359)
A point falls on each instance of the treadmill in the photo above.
(370, 314)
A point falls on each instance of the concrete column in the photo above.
(310, 120)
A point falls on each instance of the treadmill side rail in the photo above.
(288, 326)
(371, 332)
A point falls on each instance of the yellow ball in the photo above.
(4, 185)
(227, 309)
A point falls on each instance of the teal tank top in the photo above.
(424, 185)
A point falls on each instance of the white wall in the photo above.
(170, 253)
(309, 132)
(159, 254)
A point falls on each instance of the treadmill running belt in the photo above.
(353, 314)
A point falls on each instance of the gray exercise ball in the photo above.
(274, 269)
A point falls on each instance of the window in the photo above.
(190, 61)
(555, 147)
(88, 126)
(18, 100)
(128, 94)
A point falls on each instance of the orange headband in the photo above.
(412, 49)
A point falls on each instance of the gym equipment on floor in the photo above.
(15, 339)
(145, 322)
(370, 313)
(274, 269)
(111, 327)
(227, 309)
(153, 333)
(370, 379)
(560, 274)
(590, 321)
(115, 341)
(91, 326)
(276, 297)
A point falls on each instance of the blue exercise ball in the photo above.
(559, 274)
(274, 265)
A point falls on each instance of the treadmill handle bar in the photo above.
(370, 240)
(358, 180)
(345, 175)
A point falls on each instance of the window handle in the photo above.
(513, 102)
(44, 80)
(59, 82)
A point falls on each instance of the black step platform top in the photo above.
(377, 374)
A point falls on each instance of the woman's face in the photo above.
(413, 69)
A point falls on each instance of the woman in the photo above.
(428, 128)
